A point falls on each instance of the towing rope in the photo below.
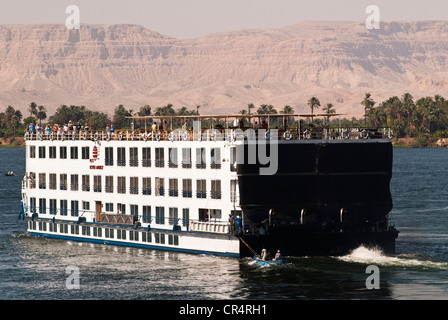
(253, 251)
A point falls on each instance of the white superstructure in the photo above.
(173, 192)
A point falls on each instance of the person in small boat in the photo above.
(264, 254)
(278, 256)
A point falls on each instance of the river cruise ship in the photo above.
(215, 186)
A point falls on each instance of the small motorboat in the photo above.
(262, 262)
(10, 174)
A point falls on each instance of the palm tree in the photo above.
(32, 109)
(120, 119)
(287, 110)
(329, 110)
(408, 107)
(41, 114)
(266, 109)
(249, 107)
(368, 104)
(165, 111)
(11, 119)
(313, 103)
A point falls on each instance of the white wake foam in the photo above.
(376, 256)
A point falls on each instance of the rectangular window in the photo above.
(187, 190)
(42, 181)
(52, 184)
(160, 215)
(146, 186)
(133, 157)
(109, 184)
(33, 205)
(85, 182)
(233, 185)
(121, 157)
(74, 183)
(133, 185)
(109, 156)
(146, 214)
(32, 177)
(85, 230)
(121, 185)
(134, 210)
(185, 216)
(233, 159)
(160, 186)
(96, 183)
(42, 152)
(86, 205)
(200, 158)
(62, 152)
(146, 157)
(74, 229)
(173, 188)
(146, 237)
(52, 151)
(109, 233)
(32, 151)
(63, 207)
(73, 152)
(215, 158)
(186, 157)
(201, 189)
(121, 208)
(74, 206)
(172, 155)
(63, 181)
(216, 189)
(215, 214)
(85, 152)
(109, 207)
(172, 216)
(160, 157)
(43, 206)
(121, 234)
(53, 206)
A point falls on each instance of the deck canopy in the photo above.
(232, 116)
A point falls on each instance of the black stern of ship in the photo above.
(326, 197)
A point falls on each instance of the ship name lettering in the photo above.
(97, 167)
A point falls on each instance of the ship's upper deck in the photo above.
(218, 128)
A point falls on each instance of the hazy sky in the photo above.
(194, 18)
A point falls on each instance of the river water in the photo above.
(34, 268)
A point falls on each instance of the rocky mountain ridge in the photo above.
(101, 66)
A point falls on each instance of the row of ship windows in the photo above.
(137, 157)
(145, 216)
(108, 233)
(136, 186)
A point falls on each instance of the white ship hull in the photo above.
(132, 192)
